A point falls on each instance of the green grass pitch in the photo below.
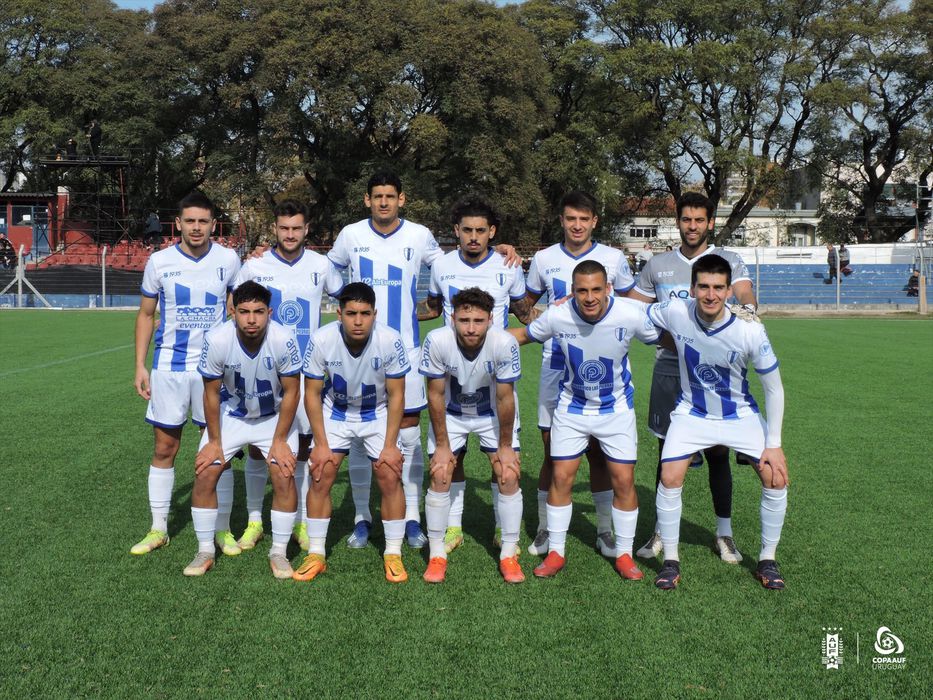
(81, 617)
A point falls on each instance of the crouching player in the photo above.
(596, 400)
(355, 389)
(472, 369)
(258, 363)
(716, 408)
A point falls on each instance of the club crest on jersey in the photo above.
(500, 278)
(315, 278)
(376, 362)
(409, 253)
(620, 333)
(268, 363)
(490, 367)
(733, 356)
(221, 272)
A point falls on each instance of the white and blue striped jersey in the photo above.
(192, 294)
(252, 385)
(389, 263)
(297, 288)
(714, 360)
(667, 276)
(597, 377)
(355, 385)
(551, 271)
(471, 383)
(452, 274)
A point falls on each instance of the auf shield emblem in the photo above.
(315, 278)
(220, 273)
(268, 363)
(500, 278)
(376, 362)
(620, 334)
(409, 253)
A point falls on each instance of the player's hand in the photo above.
(208, 456)
(507, 462)
(562, 300)
(443, 463)
(282, 458)
(390, 458)
(257, 252)
(141, 382)
(321, 457)
(512, 259)
(746, 312)
(773, 467)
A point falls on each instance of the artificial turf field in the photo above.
(81, 617)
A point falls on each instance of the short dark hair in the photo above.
(357, 291)
(290, 207)
(383, 178)
(197, 199)
(713, 264)
(696, 200)
(251, 291)
(590, 267)
(475, 297)
(474, 205)
(578, 199)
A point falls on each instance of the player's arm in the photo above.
(280, 454)
(145, 322)
(537, 331)
(773, 465)
(212, 452)
(443, 460)
(391, 456)
(506, 456)
(512, 259)
(321, 454)
(431, 307)
(633, 293)
(524, 309)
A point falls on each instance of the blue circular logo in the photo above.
(290, 313)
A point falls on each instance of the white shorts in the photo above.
(688, 434)
(571, 433)
(548, 393)
(173, 395)
(341, 433)
(486, 428)
(416, 398)
(237, 433)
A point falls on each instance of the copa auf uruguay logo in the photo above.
(890, 649)
(832, 647)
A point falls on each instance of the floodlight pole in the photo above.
(103, 278)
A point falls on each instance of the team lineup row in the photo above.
(585, 396)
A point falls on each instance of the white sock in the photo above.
(723, 527)
(203, 520)
(773, 508)
(542, 510)
(282, 524)
(224, 500)
(602, 502)
(558, 522)
(412, 470)
(436, 514)
(317, 534)
(623, 522)
(394, 531)
(669, 505)
(457, 493)
(510, 514)
(495, 502)
(301, 486)
(161, 483)
(361, 481)
(255, 471)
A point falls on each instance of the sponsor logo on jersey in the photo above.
(552, 270)
(516, 360)
(561, 334)
(171, 273)
(444, 278)
(708, 376)
(333, 363)
(361, 249)
(591, 371)
(381, 282)
(290, 313)
(196, 317)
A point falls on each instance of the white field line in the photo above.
(66, 361)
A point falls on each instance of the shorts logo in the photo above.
(591, 371)
(621, 333)
(290, 313)
(490, 367)
(268, 363)
(315, 278)
(708, 376)
(500, 278)
(221, 272)
(409, 253)
(376, 362)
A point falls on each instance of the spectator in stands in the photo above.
(8, 253)
(831, 261)
(152, 236)
(71, 149)
(913, 284)
(844, 260)
(94, 134)
(644, 255)
(632, 263)
(668, 248)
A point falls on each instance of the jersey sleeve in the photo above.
(517, 288)
(243, 275)
(739, 269)
(211, 364)
(645, 330)
(151, 285)
(535, 283)
(541, 328)
(333, 280)
(645, 284)
(508, 361)
(312, 365)
(233, 271)
(431, 365)
(658, 314)
(762, 354)
(434, 285)
(432, 251)
(398, 364)
(339, 254)
(288, 358)
(622, 281)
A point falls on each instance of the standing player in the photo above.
(297, 279)
(257, 362)
(359, 366)
(474, 264)
(716, 408)
(664, 277)
(188, 283)
(472, 369)
(596, 402)
(551, 270)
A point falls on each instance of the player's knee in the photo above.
(388, 480)
(671, 479)
(508, 483)
(165, 450)
(281, 483)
